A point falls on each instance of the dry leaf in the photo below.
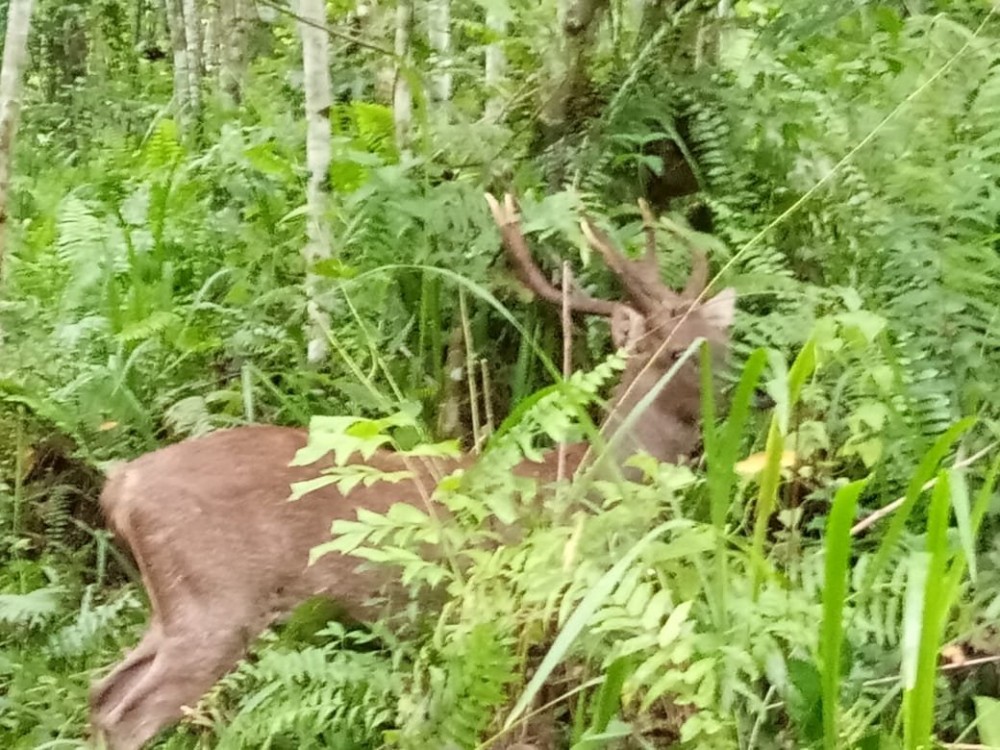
(752, 465)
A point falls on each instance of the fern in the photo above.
(466, 690)
(90, 248)
(32, 610)
(319, 696)
(91, 625)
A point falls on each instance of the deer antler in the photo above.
(699, 261)
(699, 274)
(640, 278)
(528, 272)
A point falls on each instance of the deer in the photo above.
(223, 554)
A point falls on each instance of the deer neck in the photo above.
(666, 426)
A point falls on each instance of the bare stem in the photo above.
(881, 513)
(470, 371)
(567, 363)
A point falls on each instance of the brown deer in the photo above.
(223, 553)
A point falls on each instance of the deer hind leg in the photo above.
(185, 666)
(108, 692)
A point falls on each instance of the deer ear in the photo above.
(721, 309)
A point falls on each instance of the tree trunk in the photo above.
(234, 22)
(74, 50)
(211, 48)
(439, 35)
(319, 99)
(496, 62)
(178, 44)
(402, 101)
(15, 53)
(570, 68)
(192, 38)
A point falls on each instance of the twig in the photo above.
(567, 363)
(970, 664)
(895, 504)
(336, 33)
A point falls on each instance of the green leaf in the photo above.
(675, 622)
(925, 470)
(988, 720)
(605, 705)
(837, 547)
(963, 517)
(861, 327)
(918, 701)
(303, 488)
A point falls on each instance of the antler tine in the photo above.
(644, 288)
(699, 274)
(698, 279)
(528, 273)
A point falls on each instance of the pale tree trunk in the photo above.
(319, 100)
(579, 22)
(15, 54)
(402, 100)
(211, 48)
(178, 44)
(192, 38)
(496, 62)
(234, 23)
(361, 19)
(439, 35)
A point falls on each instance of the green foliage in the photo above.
(323, 696)
(153, 290)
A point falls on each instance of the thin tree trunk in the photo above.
(439, 35)
(234, 21)
(496, 62)
(192, 38)
(15, 53)
(319, 99)
(402, 101)
(212, 47)
(178, 43)
(570, 78)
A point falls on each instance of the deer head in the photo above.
(223, 554)
(655, 327)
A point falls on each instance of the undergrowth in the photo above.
(153, 291)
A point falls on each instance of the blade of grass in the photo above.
(918, 702)
(767, 496)
(983, 499)
(837, 547)
(606, 703)
(722, 445)
(925, 470)
(802, 368)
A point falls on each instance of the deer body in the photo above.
(223, 553)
